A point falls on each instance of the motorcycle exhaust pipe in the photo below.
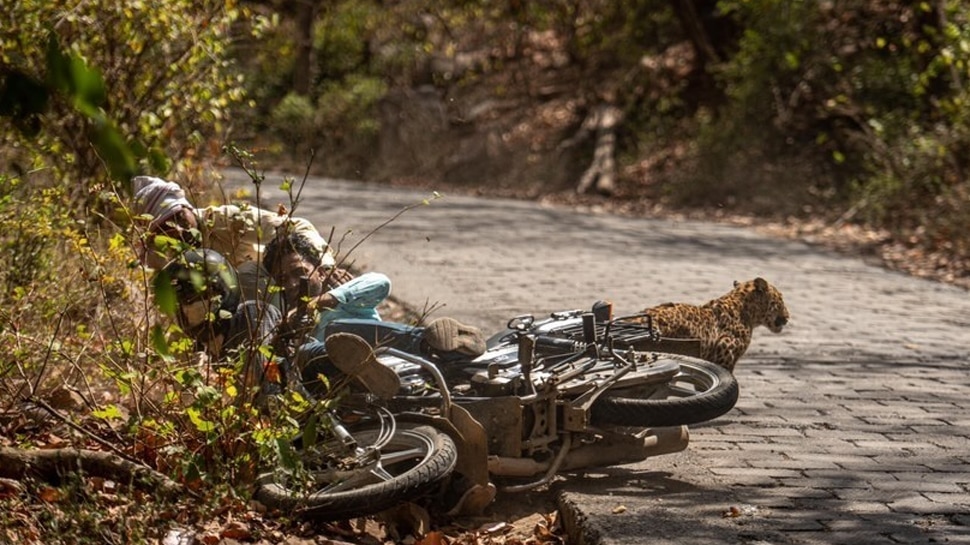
(625, 449)
(612, 449)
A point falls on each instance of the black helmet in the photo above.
(206, 287)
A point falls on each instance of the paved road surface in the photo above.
(853, 426)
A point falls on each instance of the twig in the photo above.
(47, 355)
(64, 420)
(385, 223)
(295, 201)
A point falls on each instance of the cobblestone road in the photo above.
(853, 426)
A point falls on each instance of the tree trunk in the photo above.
(51, 465)
(693, 25)
(303, 66)
(600, 176)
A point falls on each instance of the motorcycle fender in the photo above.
(472, 467)
(469, 437)
(472, 447)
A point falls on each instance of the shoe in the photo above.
(355, 358)
(449, 336)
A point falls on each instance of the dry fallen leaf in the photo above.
(272, 372)
(52, 442)
(236, 530)
(10, 488)
(406, 519)
(432, 538)
(619, 509)
(737, 511)
(49, 494)
(178, 536)
(494, 527)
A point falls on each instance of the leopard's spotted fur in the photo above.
(724, 325)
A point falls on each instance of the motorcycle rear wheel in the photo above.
(699, 392)
(415, 460)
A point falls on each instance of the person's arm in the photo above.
(366, 291)
(239, 232)
(357, 298)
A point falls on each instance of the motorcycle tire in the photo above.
(699, 392)
(416, 460)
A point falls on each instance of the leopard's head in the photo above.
(763, 304)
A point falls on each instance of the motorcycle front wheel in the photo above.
(412, 462)
(699, 392)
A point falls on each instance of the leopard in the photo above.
(724, 325)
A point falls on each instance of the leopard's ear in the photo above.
(736, 283)
(761, 284)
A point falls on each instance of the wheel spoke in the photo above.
(680, 391)
(370, 472)
(401, 455)
(353, 480)
(381, 473)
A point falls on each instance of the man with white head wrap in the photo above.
(236, 232)
(158, 198)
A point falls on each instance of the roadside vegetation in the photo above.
(824, 117)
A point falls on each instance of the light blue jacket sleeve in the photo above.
(358, 298)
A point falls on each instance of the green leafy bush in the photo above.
(29, 227)
(348, 108)
(294, 121)
(869, 97)
(164, 72)
(79, 322)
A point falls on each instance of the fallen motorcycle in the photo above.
(578, 389)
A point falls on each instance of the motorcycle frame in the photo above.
(541, 433)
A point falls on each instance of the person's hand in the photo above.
(298, 324)
(324, 301)
(336, 277)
